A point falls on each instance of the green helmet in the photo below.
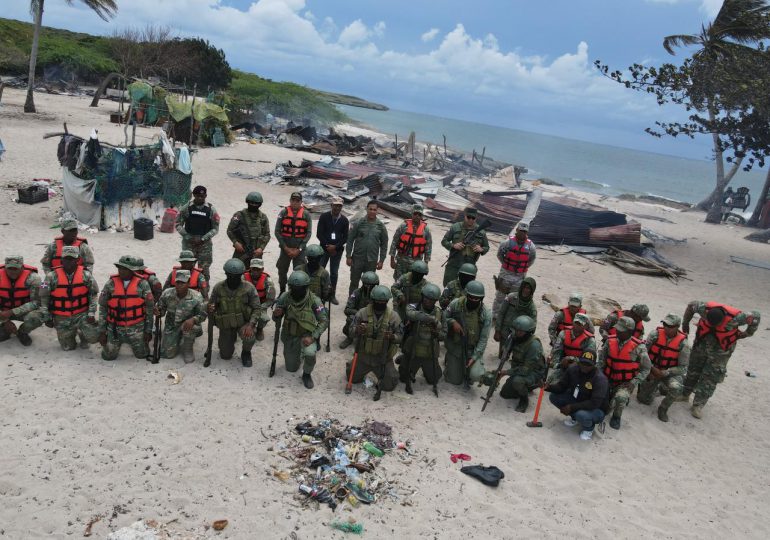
(255, 197)
(524, 323)
(475, 288)
(468, 268)
(298, 278)
(314, 250)
(420, 267)
(431, 291)
(234, 266)
(380, 293)
(370, 278)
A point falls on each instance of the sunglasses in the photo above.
(470, 217)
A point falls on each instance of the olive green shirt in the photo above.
(368, 241)
(178, 310)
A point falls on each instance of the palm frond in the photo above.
(681, 40)
(105, 9)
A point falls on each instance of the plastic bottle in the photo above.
(373, 450)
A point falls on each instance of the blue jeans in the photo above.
(334, 267)
(587, 418)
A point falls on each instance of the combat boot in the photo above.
(260, 335)
(188, 355)
(684, 397)
(24, 338)
(696, 411)
(523, 404)
(347, 342)
(408, 383)
(615, 422)
(246, 358)
(307, 380)
(333, 299)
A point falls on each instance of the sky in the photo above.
(520, 64)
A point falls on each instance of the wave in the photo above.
(588, 183)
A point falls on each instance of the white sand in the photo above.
(81, 436)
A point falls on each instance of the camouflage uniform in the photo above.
(557, 353)
(150, 277)
(509, 280)
(84, 249)
(477, 325)
(320, 282)
(233, 309)
(308, 317)
(576, 300)
(375, 352)
(404, 260)
(357, 300)
(28, 312)
(367, 245)
(200, 244)
(619, 394)
(527, 369)
(203, 283)
(671, 383)
(513, 307)
(451, 291)
(457, 233)
(259, 232)
(423, 333)
(283, 263)
(177, 311)
(269, 300)
(405, 292)
(610, 320)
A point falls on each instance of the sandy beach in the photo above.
(82, 437)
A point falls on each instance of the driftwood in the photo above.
(634, 264)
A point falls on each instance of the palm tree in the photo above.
(104, 8)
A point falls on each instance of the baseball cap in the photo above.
(296, 195)
(187, 255)
(14, 261)
(575, 299)
(72, 252)
(256, 263)
(581, 318)
(672, 320)
(522, 226)
(625, 324)
(587, 358)
(642, 311)
(199, 190)
(183, 275)
(337, 200)
(68, 224)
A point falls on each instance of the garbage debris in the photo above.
(347, 526)
(459, 457)
(634, 264)
(219, 525)
(489, 476)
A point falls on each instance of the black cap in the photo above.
(296, 195)
(470, 211)
(199, 190)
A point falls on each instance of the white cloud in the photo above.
(379, 29)
(709, 7)
(430, 35)
(355, 32)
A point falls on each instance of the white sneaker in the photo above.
(586, 435)
(570, 422)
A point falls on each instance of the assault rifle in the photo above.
(242, 233)
(156, 343)
(275, 346)
(503, 359)
(466, 359)
(210, 335)
(470, 237)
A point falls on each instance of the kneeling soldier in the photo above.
(265, 290)
(320, 281)
(358, 300)
(185, 311)
(408, 289)
(19, 299)
(198, 281)
(423, 331)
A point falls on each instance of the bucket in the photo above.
(143, 229)
(168, 222)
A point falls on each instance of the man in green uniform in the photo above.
(304, 322)
(19, 299)
(466, 322)
(456, 288)
(234, 304)
(367, 245)
(570, 345)
(716, 337)
(515, 304)
(465, 243)
(423, 332)
(68, 302)
(357, 300)
(293, 230)
(320, 280)
(265, 290)
(378, 335)
(639, 313)
(148, 275)
(562, 319)
(126, 307)
(249, 229)
(408, 289)
(185, 311)
(198, 279)
(411, 242)
(516, 255)
(52, 257)
(198, 223)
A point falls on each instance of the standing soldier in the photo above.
(466, 322)
(639, 313)
(716, 336)
(408, 289)
(198, 223)
(570, 345)
(358, 300)
(625, 363)
(265, 290)
(378, 335)
(516, 255)
(456, 288)
(198, 280)
(304, 322)
(249, 229)
(320, 282)
(465, 242)
(562, 319)
(69, 237)
(234, 304)
(669, 353)
(367, 245)
(332, 234)
(423, 331)
(185, 311)
(19, 299)
(149, 276)
(411, 242)
(515, 305)
(293, 229)
(68, 301)
(126, 311)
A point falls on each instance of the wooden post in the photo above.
(444, 145)
(481, 161)
(192, 115)
(395, 144)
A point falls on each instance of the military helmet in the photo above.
(255, 197)
(380, 293)
(298, 278)
(431, 291)
(420, 267)
(314, 250)
(468, 268)
(370, 278)
(475, 288)
(234, 266)
(524, 323)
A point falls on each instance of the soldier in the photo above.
(423, 332)
(19, 299)
(625, 363)
(198, 280)
(638, 312)
(234, 304)
(527, 364)
(378, 335)
(456, 288)
(669, 353)
(293, 229)
(466, 323)
(562, 319)
(68, 301)
(126, 311)
(516, 304)
(320, 281)
(570, 344)
(516, 255)
(304, 322)
(185, 311)
(716, 336)
(149, 276)
(198, 223)
(358, 300)
(69, 237)
(249, 229)
(411, 242)
(367, 245)
(265, 290)
(408, 288)
(332, 234)
(465, 242)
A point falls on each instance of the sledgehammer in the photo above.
(535, 422)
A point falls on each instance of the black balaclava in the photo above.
(233, 281)
(379, 307)
(465, 279)
(298, 293)
(313, 263)
(417, 277)
(253, 208)
(472, 302)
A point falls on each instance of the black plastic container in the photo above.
(144, 229)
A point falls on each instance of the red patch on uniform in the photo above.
(216, 218)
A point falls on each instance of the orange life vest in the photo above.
(260, 285)
(666, 355)
(620, 368)
(69, 299)
(59, 240)
(195, 275)
(726, 338)
(566, 322)
(13, 295)
(574, 346)
(638, 331)
(517, 258)
(125, 307)
(294, 226)
(412, 243)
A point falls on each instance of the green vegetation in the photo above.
(353, 101)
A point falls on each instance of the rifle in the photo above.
(156, 343)
(506, 352)
(275, 346)
(242, 232)
(466, 363)
(209, 334)
(469, 237)
(329, 328)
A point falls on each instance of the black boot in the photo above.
(377, 394)
(523, 404)
(246, 358)
(24, 338)
(307, 380)
(615, 422)
(409, 387)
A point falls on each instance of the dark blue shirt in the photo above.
(327, 224)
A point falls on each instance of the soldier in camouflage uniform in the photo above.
(19, 299)
(69, 300)
(198, 280)
(456, 288)
(293, 230)
(185, 311)
(126, 307)
(466, 320)
(198, 223)
(408, 289)
(358, 300)
(367, 245)
(69, 237)
(249, 230)
(148, 275)
(265, 290)
(716, 336)
(460, 252)
(411, 242)
(570, 345)
(516, 304)
(562, 319)
(638, 312)
(516, 255)
(320, 280)
(423, 332)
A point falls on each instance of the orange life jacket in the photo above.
(566, 322)
(666, 355)
(620, 368)
(260, 285)
(59, 240)
(638, 331)
(195, 275)
(13, 295)
(294, 226)
(517, 258)
(574, 346)
(125, 307)
(412, 243)
(69, 299)
(726, 338)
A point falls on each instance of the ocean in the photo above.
(585, 166)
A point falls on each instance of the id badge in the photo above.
(334, 236)
(576, 392)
